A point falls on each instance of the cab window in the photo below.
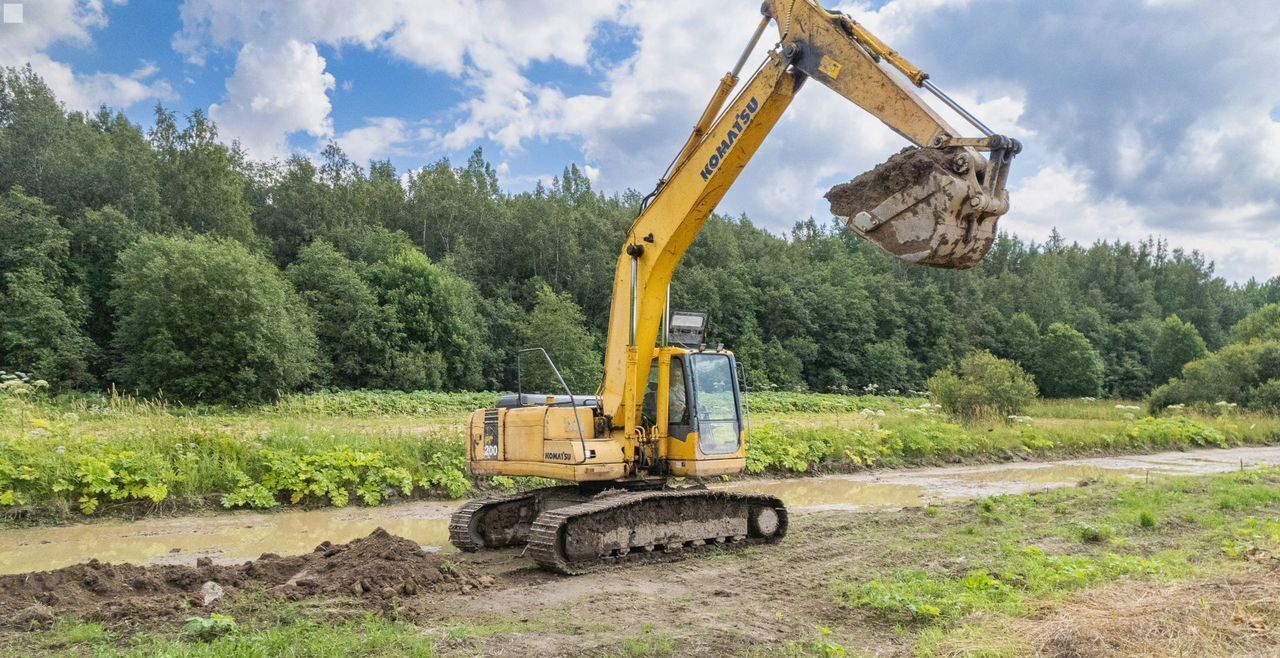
(713, 381)
(678, 398)
(717, 404)
(677, 395)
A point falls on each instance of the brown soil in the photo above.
(905, 168)
(770, 600)
(1234, 616)
(734, 603)
(378, 567)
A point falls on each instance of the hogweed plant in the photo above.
(16, 392)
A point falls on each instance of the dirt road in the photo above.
(758, 601)
(237, 536)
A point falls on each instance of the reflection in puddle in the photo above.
(836, 493)
(226, 538)
(240, 536)
(1046, 474)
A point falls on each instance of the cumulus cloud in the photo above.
(486, 43)
(1148, 122)
(213, 24)
(1155, 112)
(88, 91)
(650, 101)
(1239, 237)
(383, 137)
(51, 22)
(1139, 117)
(1151, 99)
(274, 92)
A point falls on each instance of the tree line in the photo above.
(163, 262)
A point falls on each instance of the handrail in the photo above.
(573, 404)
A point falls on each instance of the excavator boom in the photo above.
(934, 205)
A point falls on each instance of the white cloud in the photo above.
(146, 69)
(72, 22)
(80, 91)
(649, 103)
(1059, 196)
(274, 92)
(382, 137)
(48, 22)
(1131, 98)
(1222, 168)
(504, 37)
(485, 43)
(212, 24)
(1142, 126)
(895, 20)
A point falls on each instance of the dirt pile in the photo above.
(378, 567)
(908, 167)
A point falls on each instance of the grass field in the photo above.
(91, 455)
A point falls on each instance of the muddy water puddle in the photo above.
(238, 536)
(226, 538)
(919, 487)
(819, 494)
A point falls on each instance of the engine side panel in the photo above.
(542, 441)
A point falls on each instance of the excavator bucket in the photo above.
(926, 206)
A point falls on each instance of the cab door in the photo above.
(679, 418)
(717, 410)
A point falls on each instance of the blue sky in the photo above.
(1140, 117)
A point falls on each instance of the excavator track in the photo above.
(615, 529)
(504, 521)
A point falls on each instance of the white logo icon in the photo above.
(12, 12)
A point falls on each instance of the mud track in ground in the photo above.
(726, 602)
(716, 602)
(752, 601)
(755, 601)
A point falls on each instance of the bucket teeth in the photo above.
(923, 206)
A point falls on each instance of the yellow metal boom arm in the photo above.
(815, 43)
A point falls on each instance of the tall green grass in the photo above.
(88, 454)
(905, 433)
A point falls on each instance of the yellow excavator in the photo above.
(670, 406)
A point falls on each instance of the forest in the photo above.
(160, 262)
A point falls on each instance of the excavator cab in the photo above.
(693, 406)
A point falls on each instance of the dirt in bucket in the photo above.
(917, 208)
(379, 567)
(908, 167)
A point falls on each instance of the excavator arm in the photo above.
(946, 219)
